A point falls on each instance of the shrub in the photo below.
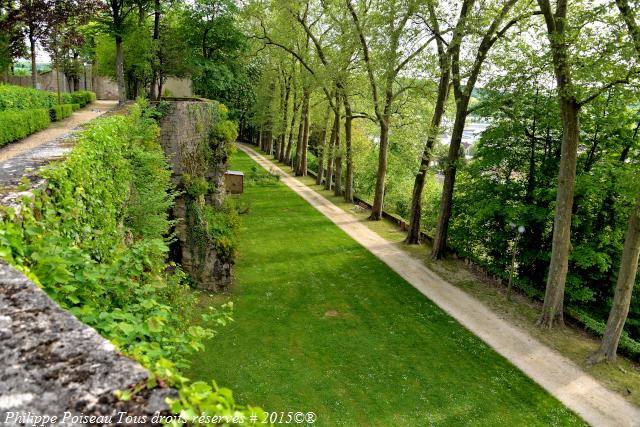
(17, 124)
(60, 111)
(108, 265)
(75, 107)
(82, 98)
(259, 176)
(24, 98)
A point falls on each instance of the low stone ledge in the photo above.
(51, 363)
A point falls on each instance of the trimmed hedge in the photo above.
(24, 98)
(82, 97)
(61, 111)
(24, 110)
(17, 124)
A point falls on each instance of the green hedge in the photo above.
(82, 98)
(25, 98)
(17, 124)
(61, 111)
(75, 107)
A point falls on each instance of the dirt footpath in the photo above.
(558, 375)
(16, 159)
(57, 129)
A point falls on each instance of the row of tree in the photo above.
(139, 43)
(334, 62)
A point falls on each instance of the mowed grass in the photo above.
(322, 325)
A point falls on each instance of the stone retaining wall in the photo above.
(186, 128)
(52, 364)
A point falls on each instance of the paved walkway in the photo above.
(42, 147)
(558, 375)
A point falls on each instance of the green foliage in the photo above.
(259, 176)
(223, 225)
(226, 130)
(213, 227)
(24, 111)
(82, 97)
(96, 240)
(512, 179)
(60, 112)
(17, 124)
(24, 98)
(627, 345)
(216, 48)
(195, 186)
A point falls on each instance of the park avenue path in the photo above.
(16, 159)
(558, 375)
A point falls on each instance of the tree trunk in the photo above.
(122, 95)
(58, 85)
(323, 147)
(156, 36)
(624, 289)
(287, 154)
(337, 183)
(450, 169)
(160, 85)
(413, 236)
(285, 121)
(531, 178)
(305, 136)
(378, 199)
(552, 309)
(34, 66)
(269, 144)
(298, 158)
(348, 188)
(335, 130)
(628, 15)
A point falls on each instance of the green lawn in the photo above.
(322, 325)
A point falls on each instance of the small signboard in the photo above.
(234, 182)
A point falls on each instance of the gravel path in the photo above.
(558, 375)
(18, 158)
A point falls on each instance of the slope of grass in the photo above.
(621, 376)
(322, 325)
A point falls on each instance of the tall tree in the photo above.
(444, 63)
(35, 15)
(401, 45)
(157, 16)
(629, 263)
(624, 288)
(494, 15)
(11, 36)
(560, 35)
(118, 12)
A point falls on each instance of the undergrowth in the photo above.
(96, 240)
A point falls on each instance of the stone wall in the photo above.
(50, 362)
(104, 87)
(185, 136)
(53, 364)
